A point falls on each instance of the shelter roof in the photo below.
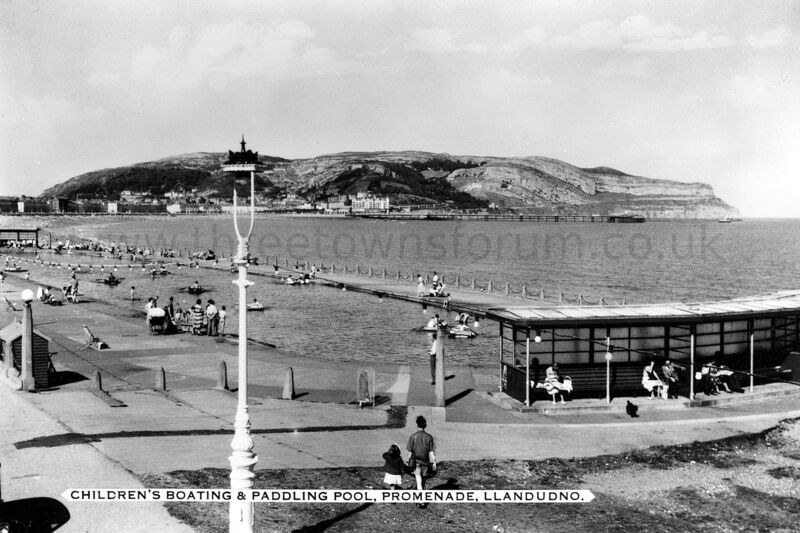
(755, 307)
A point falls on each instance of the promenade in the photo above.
(73, 436)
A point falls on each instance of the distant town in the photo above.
(191, 202)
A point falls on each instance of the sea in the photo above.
(658, 261)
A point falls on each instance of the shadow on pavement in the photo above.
(325, 524)
(33, 515)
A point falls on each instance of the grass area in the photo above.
(745, 483)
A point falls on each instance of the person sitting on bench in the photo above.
(554, 385)
(653, 383)
(723, 376)
(671, 377)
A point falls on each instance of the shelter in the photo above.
(11, 340)
(28, 236)
(743, 333)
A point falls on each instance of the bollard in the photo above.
(365, 387)
(580, 300)
(490, 288)
(98, 381)
(370, 272)
(560, 297)
(472, 285)
(524, 293)
(161, 379)
(541, 294)
(384, 274)
(398, 274)
(288, 385)
(507, 288)
(222, 376)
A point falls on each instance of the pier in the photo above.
(504, 217)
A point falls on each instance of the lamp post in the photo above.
(242, 459)
(609, 357)
(28, 381)
(441, 331)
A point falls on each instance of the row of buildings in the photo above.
(174, 203)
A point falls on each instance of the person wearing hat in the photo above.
(421, 455)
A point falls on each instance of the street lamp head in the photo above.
(609, 356)
(27, 296)
(538, 337)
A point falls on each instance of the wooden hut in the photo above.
(11, 340)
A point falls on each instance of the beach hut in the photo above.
(11, 341)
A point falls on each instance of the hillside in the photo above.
(527, 184)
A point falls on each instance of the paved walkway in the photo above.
(72, 436)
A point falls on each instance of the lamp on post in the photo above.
(28, 382)
(242, 459)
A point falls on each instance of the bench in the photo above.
(589, 381)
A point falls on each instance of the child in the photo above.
(223, 314)
(394, 467)
(133, 294)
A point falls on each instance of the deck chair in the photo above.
(10, 305)
(90, 341)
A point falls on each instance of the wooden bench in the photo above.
(589, 381)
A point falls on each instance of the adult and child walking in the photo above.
(421, 462)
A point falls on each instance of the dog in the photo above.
(632, 409)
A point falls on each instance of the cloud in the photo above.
(776, 37)
(440, 40)
(220, 52)
(528, 38)
(634, 34)
(501, 82)
(629, 67)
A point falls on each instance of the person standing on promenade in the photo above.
(197, 317)
(432, 354)
(223, 314)
(212, 315)
(421, 455)
(420, 287)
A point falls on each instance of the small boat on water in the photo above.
(297, 281)
(431, 325)
(256, 306)
(462, 331)
(193, 290)
(725, 220)
(112, 282)
(15, 268)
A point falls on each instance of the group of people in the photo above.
(46, 294)
(436, 290)
(201, 320)
(421, 460)
(209, 318)
(712, 376)
(664, 385)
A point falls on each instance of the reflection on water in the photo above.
(658, 261)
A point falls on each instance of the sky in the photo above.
(696, 90)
